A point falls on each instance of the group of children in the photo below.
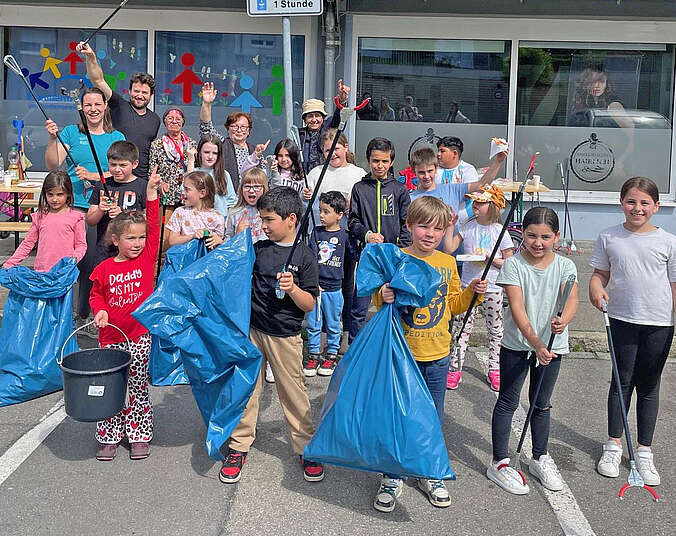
(635, 272)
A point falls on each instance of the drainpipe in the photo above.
(332, 42)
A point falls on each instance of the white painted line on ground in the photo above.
(15, 455)
(568, 512)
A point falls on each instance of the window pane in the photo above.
(420, 79)
(616, 102)
(49, 59)
(246, 69)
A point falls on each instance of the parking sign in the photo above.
(284, 8)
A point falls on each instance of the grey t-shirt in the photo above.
(540, 292)
(641, 266)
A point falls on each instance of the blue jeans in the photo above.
(328, 307)
(434, 374)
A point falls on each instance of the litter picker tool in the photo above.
(91, 36)
(75, 95)
(13, 66)
(295, 135)
(345, 114)
(635, 480)
(560, 305)
(508, 219)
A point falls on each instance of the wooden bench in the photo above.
(14, 226)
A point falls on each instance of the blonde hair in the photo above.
(493, 211)
(423, 157)
(328, 136)
(251, 176)
(203, 181)
(427, 209)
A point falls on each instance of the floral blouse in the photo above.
(169, 169)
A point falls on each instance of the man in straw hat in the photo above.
(314, 117)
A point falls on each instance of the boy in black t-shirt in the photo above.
(126, 193)
(275, 329)
(328, 241)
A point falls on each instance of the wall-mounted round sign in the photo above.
(592, 160)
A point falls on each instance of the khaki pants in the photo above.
(285, 355)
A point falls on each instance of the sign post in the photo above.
(285, 9)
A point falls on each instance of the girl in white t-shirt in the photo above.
(479, 236)
(635, 273)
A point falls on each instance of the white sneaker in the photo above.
(609, 464)
(546, 471)
(269, 376)
(507, 477)
(646, 467)
(390, 489)
(436, 492)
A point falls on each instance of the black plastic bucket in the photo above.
(94, 382)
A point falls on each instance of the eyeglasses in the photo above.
(174, 120)
(241, 128)
(253, 187)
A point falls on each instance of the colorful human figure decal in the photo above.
(73, 58)
(50, 63)
(276, 89)
(188, 78)
(246, 100)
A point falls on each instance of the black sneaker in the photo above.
(310, 368)
(232, 467)
(312, 472)
(327, 366)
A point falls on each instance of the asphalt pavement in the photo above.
(61, 489)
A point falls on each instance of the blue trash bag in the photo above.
(204, 311)
(36, 321)
(378, 413)
(164, 364)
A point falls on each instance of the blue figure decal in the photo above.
(246, 100)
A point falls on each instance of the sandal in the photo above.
(106, 452)
(139, 451)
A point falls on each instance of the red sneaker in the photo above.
(310, 369)
(453, 378)
(232, 467)
(313, 472)
(327, 366)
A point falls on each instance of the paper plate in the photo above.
(30, 184)
(470, 258)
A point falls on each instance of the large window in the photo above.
(247, 70)
(50, 63)
(454, 87)
(615, 102)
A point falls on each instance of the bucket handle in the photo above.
(59, 361)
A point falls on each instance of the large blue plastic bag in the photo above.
(164, 364)
(378, 413)
(204, 310)
(36, 321)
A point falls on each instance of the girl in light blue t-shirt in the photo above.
(532, 280)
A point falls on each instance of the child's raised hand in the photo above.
(213, 240)
(307, 193)
(243, 224)
(285, 281)
(387, 293)
(101, 319)
(208, 93)
(154, 179)
(479, 286)
(375, 238)
(544, 356)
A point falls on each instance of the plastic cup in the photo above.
(536, 181)
(7, 180)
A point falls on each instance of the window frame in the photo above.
(517, 31)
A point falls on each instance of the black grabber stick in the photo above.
(91, 36)
(508, 219)
(13, 66)
(560, 306)
(635, 480)
(345, 114)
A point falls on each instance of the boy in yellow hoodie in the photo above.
(426, 329)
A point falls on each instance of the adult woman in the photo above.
(169, 154)
(238, 154)
(386, 112)
(593, 90)
(84, 171)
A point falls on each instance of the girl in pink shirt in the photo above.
(58, 229)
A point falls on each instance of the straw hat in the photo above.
(489, 194)
(314, 105)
